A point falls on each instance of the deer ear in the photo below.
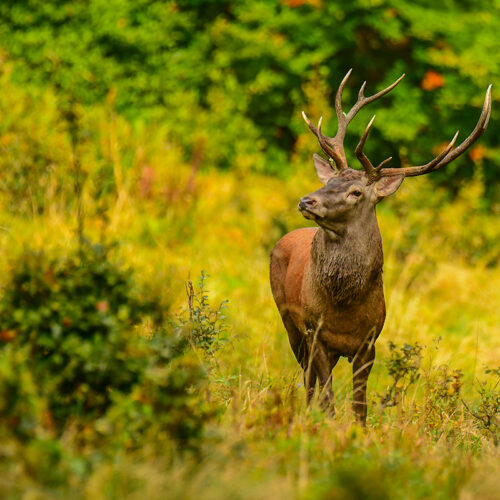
(323, 169)
(387, 185)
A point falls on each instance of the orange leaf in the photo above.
(8, 335)
(477, 153)
(432, 80)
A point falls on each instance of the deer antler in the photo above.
(442, 159)
(334, 146)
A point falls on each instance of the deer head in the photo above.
(352, 194)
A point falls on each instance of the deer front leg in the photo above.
(361, 367)
(301, 346)
(323, 365)
(310, 383)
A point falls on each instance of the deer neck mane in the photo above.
(346, 265)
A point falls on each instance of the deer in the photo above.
(327, 280)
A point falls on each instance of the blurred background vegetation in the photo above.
(144, 144)
(226, 80)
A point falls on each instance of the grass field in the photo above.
(433, 425)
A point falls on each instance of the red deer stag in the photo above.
(327, 281)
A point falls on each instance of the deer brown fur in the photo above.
(327, 281)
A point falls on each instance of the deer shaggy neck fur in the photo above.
(346, 266)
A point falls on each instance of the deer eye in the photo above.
(356, 193)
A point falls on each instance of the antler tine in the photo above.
(338, 156)
(371, 171)
(321, 138)
(338, 99)
(360, 155)
(378, 168)
(478, 131)
(449, 154)
(309, 124)
(363, 101)
(361, 92)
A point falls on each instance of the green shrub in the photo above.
(403, 365)
(73, 312)
(73, 361)
(486, 411)
(75, 320)
(204, 325)
(165, 402)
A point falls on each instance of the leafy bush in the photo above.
(167, 401)
(486, 410)
(403, 366)
(73, 313)
(70, 339)
(438, 410)
(204, 324)
(74, 363)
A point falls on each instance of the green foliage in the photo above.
(205, 326)
(447, 224)
(72, 356)
(403, 366)
(487, 409)
(166, 401)
(244, 70)
(20, 406)
(441, 388)
(72, 313)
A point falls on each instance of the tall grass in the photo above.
(170, 219)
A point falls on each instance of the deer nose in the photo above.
(307, 203)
